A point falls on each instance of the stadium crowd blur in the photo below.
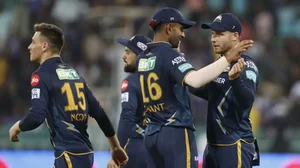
(91, 28)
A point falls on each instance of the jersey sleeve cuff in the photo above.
(182, 82)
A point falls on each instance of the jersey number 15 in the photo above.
(72, 106)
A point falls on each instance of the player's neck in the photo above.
(160, 38)
(47, 56)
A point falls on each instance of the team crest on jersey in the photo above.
(67, 74)
(124, 85)
(35, 79)
(146, 64)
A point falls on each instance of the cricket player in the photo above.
(163, 75)
(230, 98)
(131, 128)
(61, 98)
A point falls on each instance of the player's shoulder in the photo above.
(169, 51)
(130, 83)
(250, 64)
(133, 77)
(247, 57)
(163, 48)
(40, 75)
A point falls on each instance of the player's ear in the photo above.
(235, 36)
(168, 28)
(45, 45)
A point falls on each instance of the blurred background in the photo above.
(91, 28)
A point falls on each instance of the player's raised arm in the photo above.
(208, 73)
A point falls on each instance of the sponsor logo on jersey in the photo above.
(67, 74)
(185, 67)
(125, 97)
(124, 85)
(35, 79)
(35, 93)
(178, 60)
(251, 65)
(251, 75)
(146, 64)
(220, 80)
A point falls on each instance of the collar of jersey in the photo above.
(152, 44)
(53, 59)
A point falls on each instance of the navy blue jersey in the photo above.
(161, 72)
(60, 96)
(229, 105)
(132, 115)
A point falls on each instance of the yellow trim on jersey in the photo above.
(239, 154)
(188, 150)
(75, 154)
(247, 142)
(232, 143)
(182, 82)
(60, 156)
(126, 144)
(68, 160)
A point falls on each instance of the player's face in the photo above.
(129, 58)
(36, 47)
(176, 34)
(222, 41)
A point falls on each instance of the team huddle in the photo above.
(156, 127)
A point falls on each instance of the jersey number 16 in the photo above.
(154, 90)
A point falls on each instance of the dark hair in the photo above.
(53, 34)
(158, 27)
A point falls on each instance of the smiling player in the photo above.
(163, 74)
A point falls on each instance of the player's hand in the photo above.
(236, 52)
(236, 69)
(14, 131)
(112, 164)
(119, 156)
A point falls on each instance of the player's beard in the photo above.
(174, 41)
(222, 50)
(129, 68)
